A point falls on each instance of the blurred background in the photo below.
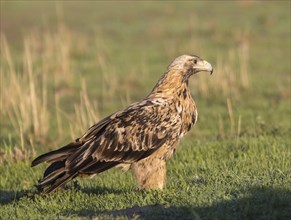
(67, 64)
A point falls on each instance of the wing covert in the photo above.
(134, 133)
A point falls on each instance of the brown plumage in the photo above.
(142, 136)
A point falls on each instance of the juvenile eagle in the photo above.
(142, 136)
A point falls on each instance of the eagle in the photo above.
(142, 137)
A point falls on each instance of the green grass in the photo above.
(206, 180)
(230, 166)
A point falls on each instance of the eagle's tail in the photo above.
(66, 164)
(57, 155)
(55, 175)
(54, 180)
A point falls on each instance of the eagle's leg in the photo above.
(150, 173)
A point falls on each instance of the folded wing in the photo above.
(124, 137)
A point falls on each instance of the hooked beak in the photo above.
(204, 66)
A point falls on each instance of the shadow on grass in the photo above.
(257, 203)
(254, 203)
(149, 212)
(9, 196)
(12, 196)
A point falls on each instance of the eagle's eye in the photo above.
(195, 61)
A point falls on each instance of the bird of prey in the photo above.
(141, 137)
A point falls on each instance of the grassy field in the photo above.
(66, 65)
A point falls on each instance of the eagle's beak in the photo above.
(205, 66)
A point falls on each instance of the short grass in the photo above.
(67, 65)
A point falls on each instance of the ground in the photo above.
(66, 65)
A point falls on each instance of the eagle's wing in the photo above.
(127, 136)
(123, 137)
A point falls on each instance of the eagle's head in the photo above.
(190, 64)
(177, 74)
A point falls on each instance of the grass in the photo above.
(79, 62)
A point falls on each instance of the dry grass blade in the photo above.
(231, 116)
(86, 113)
(244, 69)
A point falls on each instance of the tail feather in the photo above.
(54, 166)
(67, 163)
(59, 182)
(49, 179)
(57, 155)
(60, 177)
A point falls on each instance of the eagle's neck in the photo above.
(172, 85)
